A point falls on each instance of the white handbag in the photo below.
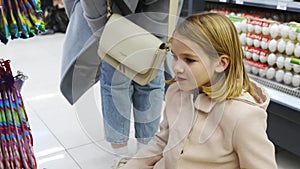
(133, 50)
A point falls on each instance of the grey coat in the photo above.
(80, 62)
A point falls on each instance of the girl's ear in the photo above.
(223, 63)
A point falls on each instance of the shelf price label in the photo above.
(222, 0)
(239, 1)
(282, 5)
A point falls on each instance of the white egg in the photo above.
(273, 45)
(243, 38)
(271, 59)
(265, 30)
(244, 25)
(249, 41)
(296, 81)
(292, 34)
(247, 68)
(274, 30)
(287, 64)
(257, 29)
(290, 46)
(281, 45)
(287, 78)
(263, 58)
(279, 75)
(280, 61)
(256, 43)
(296, 68)
(232, 14)
(270, 73)
(264, 44)
(250, 27)
(285, 31)
(255, 56)
(262, 72)
(280, 26)
(297, 50)
(298, 37)
(248, 55)
(254, 70)
(238, 27)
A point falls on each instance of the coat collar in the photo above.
(204, 103)
(215, 111)
(131, 4)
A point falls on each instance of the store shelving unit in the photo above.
(284, 109)
(271, 4)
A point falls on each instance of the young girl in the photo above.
(215, 117)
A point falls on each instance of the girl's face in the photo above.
(191, 65)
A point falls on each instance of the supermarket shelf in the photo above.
(225, 1)
(272, 4)
(283, 114)
(281, 94)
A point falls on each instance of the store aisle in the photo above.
(65, 136)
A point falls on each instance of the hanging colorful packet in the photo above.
(37, 20)
(3, 124)
(12, 133)
(23, 117)
(26, 17)
(23, 21)
(5, 138)
(3, 25)
(12, 120)
(25, 145)
(19, 134)
(13, 27)
(29, 16)
(2, 156)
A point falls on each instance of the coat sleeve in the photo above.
(251, 142)
(69, 6)
(95, 13)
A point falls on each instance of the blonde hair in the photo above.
(219, 32)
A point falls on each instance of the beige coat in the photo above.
(201, 133)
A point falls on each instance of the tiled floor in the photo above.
(67, 137)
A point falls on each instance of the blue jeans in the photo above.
(120, 95)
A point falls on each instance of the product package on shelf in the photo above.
(16, 145)
(272, 52)
(20, 19)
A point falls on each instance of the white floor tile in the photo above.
(44, 141)
(59, 160)
(61, 119)
(92, 156)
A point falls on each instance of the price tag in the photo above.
(223, 0)
(282, 5)
(239, 1)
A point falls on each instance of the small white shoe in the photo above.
(118, 163)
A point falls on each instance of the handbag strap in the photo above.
(172, 20)
(172, 17)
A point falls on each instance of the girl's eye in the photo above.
(188, 60)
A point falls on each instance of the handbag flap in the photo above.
(129, 44)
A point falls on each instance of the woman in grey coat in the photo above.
(119, 94)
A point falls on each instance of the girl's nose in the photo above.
(178, 66)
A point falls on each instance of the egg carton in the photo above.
(277, 86)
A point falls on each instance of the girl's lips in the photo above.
(180, 79)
